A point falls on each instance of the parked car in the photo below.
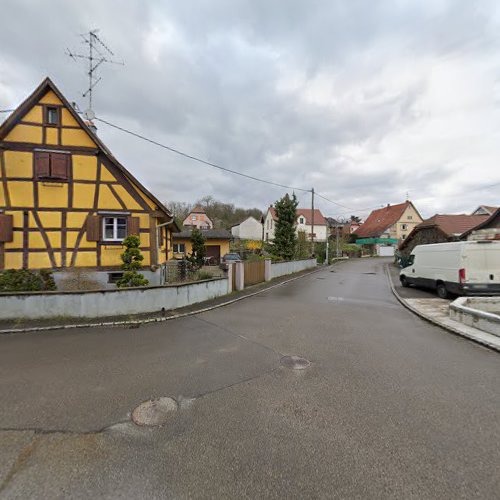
(460, 268)
(229, 258)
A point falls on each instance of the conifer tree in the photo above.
(132, 259)
(198, 251)
(285, 237)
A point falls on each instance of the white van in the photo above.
(461, 268)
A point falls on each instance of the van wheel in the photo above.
(442, 291)
(404, 282)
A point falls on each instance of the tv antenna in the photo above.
(99, 53)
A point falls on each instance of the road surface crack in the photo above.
(20, 461)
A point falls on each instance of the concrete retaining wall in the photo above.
(477, 312)
(294, 266)
(99, 304)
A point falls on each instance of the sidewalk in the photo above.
(435, 310)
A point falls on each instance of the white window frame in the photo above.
(302, 220)
(115, 227)
(181, 248)
(404, 227)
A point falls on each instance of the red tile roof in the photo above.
(319, 220)
(380, 220)
(484, 223)
(198, 209)
(453, 225)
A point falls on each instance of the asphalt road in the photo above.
(390, 407)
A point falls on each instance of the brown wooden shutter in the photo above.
(6, 232)
(59, 165)
(93, 228)
(42, 164)
(133, 224)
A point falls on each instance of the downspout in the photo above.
(158, 249)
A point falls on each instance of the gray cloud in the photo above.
(362, 100)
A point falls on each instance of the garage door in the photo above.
(213, 251)
(386, 251)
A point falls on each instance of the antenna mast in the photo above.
(99, 53)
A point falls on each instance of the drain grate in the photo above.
(295, 362)
(154, 412)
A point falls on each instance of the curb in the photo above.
(430, 319)
(155, 320)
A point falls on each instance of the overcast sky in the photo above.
(363, 100)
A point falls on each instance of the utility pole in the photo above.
(98, 54)
(312, 221)
(337, 241)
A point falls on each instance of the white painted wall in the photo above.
(321, 231)
(294, 266)
(249, 229)
(478, 312)
(269, 226)
(99, 304)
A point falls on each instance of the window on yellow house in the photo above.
(51, 116)
(114, 228)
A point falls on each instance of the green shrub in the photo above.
(22, 280)
(204, 275)
(132, 259)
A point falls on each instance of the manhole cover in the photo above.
(154, 412)
(295, 362)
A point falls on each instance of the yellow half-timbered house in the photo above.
(65, 201)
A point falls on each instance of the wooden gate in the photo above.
(254, 272)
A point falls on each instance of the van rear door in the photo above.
(492, 251)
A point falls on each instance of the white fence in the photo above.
(99, 304)
(294, 266)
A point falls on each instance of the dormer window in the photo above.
(51, 115)
(301, 220)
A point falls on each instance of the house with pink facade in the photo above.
(198, 218)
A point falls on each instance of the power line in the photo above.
(6, 110)
(334, 202)
(200, 160)
(258, 179)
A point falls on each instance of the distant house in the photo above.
(484, 210)
(303, 223)
(216, 244)
(392, 223)
(488, 228)
(249, 229)
(440, 229)
(342, 228)
(198, 218)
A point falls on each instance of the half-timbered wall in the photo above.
(56, 188)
